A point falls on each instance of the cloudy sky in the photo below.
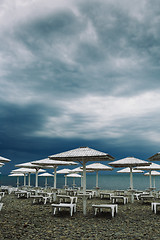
(79, 73)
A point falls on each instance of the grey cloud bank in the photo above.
(77, 73)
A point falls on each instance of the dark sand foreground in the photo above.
(20, 219)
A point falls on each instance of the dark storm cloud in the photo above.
(79, 73)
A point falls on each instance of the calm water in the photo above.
(117, 181)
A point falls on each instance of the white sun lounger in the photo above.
(64, 198)
(117, 198)
(147, 198)
(41, 198)
(71, 206)
(106, 195)
(112, 207)
(154, 206)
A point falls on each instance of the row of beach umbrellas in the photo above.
(83, 155)
(96, 167)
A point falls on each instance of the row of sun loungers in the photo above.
(67, 199)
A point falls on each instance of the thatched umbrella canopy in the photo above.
(31, 165)
(127, 170)
(46, 175)
(16, 175)
(1, 164)
(83, 155)
(80, 170)
(4, 160)
(28, 171)
(64, 171)
(153, 173)
(49, 163)
(155, 157)
(74, 175)
(96, 167)
(150, 168)
(130, 162)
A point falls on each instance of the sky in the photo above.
(79, 73)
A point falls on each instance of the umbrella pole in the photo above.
(65, 184)
(18, 181)
(74, 183)
(84, 188)
(97, 183)
(24, 179)
(96, 179)
(81, 180)
(131, 179)
(150, 179)
(154, 182)
(36, 178)
(29, 179)
(55, 177)
(45, 182)
(131, 185)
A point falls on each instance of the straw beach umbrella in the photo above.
(130, 162)
(96, 167)
(127, 170)
(4, 160)
(48, 163)
(83, 155)
(155, 157)
(31, 165)
(153, 173)
(28, 171)
(64, 171)
(153, 166)
(80, 170)
(16, 175)
(46, 175)
(74, 175)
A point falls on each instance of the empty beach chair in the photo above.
(154, 206)
(59, 206)
(112, 207)
(119, 198)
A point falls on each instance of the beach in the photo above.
(20, 219)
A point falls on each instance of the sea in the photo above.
(105, 182)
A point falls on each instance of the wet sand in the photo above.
(20, 219)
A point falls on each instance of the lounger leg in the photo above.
(155, 209)
(96, 211)
(71, 210)
(152, 206)
(116, 208)
(54, 210)
(112, 209)
(75, 208)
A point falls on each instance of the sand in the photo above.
(20, 219)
